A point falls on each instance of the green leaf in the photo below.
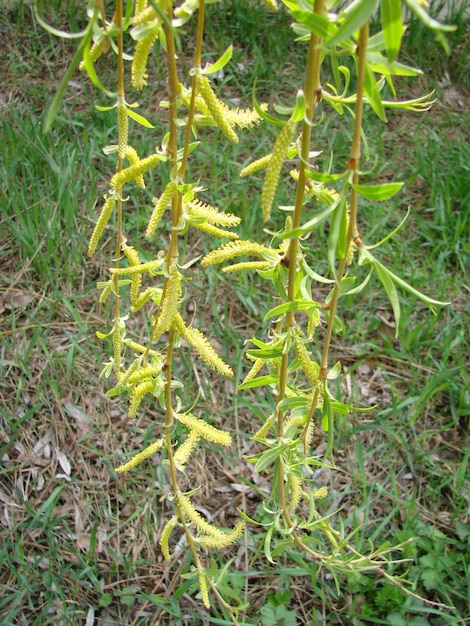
(389, 286)
(380, 65)
(373, 94)
(54, 31)
(355, 16)
(140, 119)
(323, 177)
(378, 192)
(293, 305)
(317, 24)
(334, 372)
(269, 456)
(338, 231)
(392, 25)
(265, 116)
(269, 353)
(220, 63)
(300, 107)
(391, 234)
(261, 381)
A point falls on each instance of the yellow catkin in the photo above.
(151, 293)
(255, 370)
(207, 431)
(117, 343)
(165, 537)
(133, 258)
(142, 268)
(134, 171)
(248, 266)
(350, 253)
(259, 164)
(214, 231)
(221, 542)
(123, 127)
(231, 250)
(274, 169)
(138, 347)
(215, 107)
(96, 51)
(272, 4)
(142, 456)
(243, 118)
(159, 207)
(204, 589)
(196, 340)
(144, 372)
(103, 219)
(266, 427)
(141, 54)
(295, 491)
(169, 306)
(133, 158)
(185, 450)
(322, 492)
(187, 8)
(187, 507)
(145, 15)
(138, 393)
(310, 368)
(212, 215)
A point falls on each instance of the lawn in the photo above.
(79, 544)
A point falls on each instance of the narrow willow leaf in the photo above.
(140, 119)
(220, 63)
(378, 192)
(391, 290)
(394, 231)
(269, 456)
(373, 94)
(320, 25)
(392, 25)
(261, 381)
(264, 115)
(355, 16)
(269, 353)
(380, 65)
(338, 231)
(293, 305)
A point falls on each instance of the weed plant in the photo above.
(404, 468)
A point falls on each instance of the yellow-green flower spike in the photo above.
(133, 258)
(187, 8)
(207, 431)
(208, 541)
(215, 107)
(274, 168)
(140, 5)
(182, 454)
(96, 51)
(212, 215)
(134, 171)
(255, 370)
(272, 4)
(196, 340)
(204, 589)
(213, 230)
(138, 458)
(103, 219)
(138, 347)
(248, 266)
(295, 491)
(231, 250)
(310, 368)
(142, 268)
(133, 158)
(256, 166)
(119, 330)
(141, 54)
(159, 207)
(169, 305)
(144, 16)
(266, 427)
(243, 118)
(123, 127)
(151, 293)
(138, 393)
(187, 507)
(165, 537)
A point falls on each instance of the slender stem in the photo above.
(312, 92)
(352, 233)
(121, 94)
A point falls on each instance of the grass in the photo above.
(78, 545)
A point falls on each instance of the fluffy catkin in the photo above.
(140, 58)
(159, 207)
(274, 169)
(103, 219)
(134, 171)
(215, 107)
